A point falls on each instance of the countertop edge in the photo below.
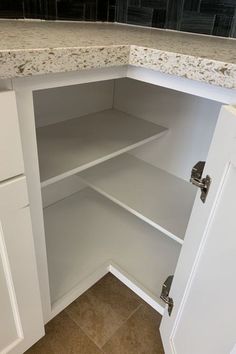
(27, 62)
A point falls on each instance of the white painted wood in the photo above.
(180, 84)
(21, 319)
(89, 281)
(5, 85)
(63, 103)
(40, 82)
(79, 289)
(203, 318)
(61, 189)
(153, 195)
(10, 143)
(197, 88)
(69, 147)
(11, 328)
(153, 149)
(213, 284)
(86, 231)
(29, 146)
(137, 288)
(13, 194)
(191, 122)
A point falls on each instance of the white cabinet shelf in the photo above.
(86, 231)
(155, 196)
(71, 146)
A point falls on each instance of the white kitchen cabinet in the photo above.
(21, 319)
(108, 164)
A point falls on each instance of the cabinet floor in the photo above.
(108, 318)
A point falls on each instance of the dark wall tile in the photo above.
(70, 10)
(174, 12)
(223, 25)
(140, 16)
(111, 11)
(34, 8)
(197, 22)
(11, 9)
(218, 6)
(90, 11)
(122, 11)
(192, 5)
(233, 26)
(77, 10)
(155, 4)
(51, 10)
(102, 10)
(134, 3)
(40, 9)
(159, 18)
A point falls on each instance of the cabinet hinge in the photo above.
(165, 294)
(197, 180)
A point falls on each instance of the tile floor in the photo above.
(108, 318)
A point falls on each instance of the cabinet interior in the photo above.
(115, 160)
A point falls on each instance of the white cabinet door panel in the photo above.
(21, 322)
(209, 313)
(204, 287)
(8, 325)
(11, 158)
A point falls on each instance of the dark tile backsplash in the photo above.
(215, 17)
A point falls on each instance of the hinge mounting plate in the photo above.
(197, 180)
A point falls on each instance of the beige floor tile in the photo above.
(103, 308)
(63, 336)
(139, 335)
(41, 347)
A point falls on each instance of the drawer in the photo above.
(11, 157)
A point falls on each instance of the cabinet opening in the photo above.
(115, 159)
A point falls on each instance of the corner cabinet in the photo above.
(108, 155)
(21, 322)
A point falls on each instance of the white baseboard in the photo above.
(137, 288)
(120, 274)
(78, 290)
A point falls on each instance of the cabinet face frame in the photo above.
(24, 88)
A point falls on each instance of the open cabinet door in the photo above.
(203, 319)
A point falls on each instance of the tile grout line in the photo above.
(132, 313)
(87, 335)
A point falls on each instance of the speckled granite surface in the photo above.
(30, 48)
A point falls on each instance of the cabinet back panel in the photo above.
(191, 121)
(63, 103)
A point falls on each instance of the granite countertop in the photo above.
(38, 47)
